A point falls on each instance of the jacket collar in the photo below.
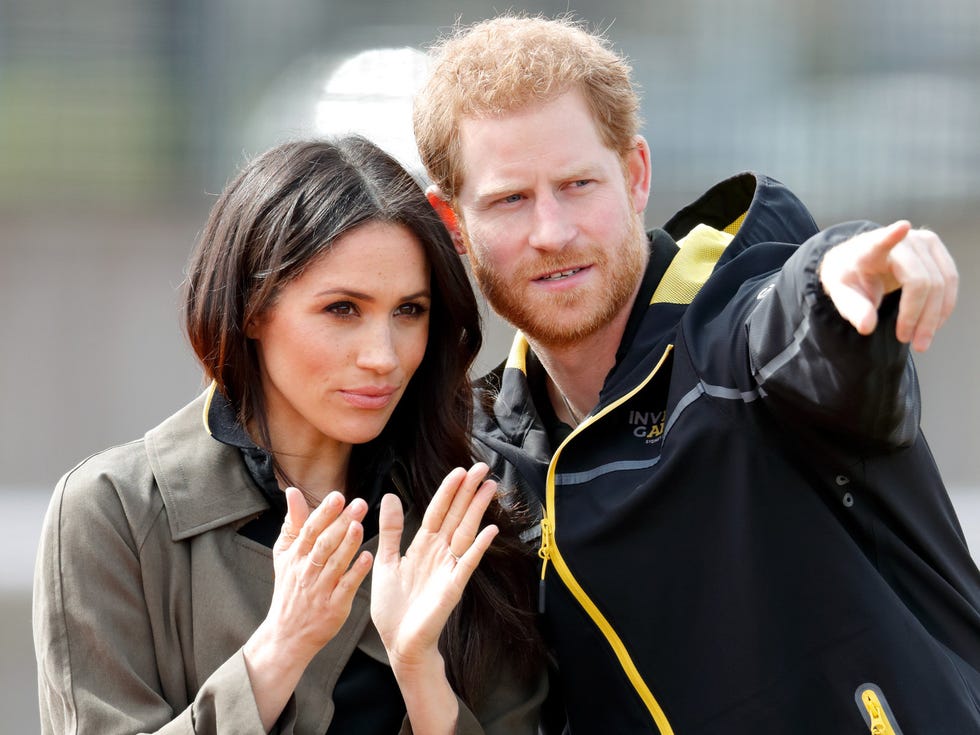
(203, 482)
(752, 207)
(730, 217)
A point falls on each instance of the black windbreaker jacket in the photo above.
(748, 534)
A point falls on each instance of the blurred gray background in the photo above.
(121, 121)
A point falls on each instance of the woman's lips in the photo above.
(370, 398)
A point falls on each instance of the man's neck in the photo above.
(577, 371)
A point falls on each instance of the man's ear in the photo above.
(447, 215)
(638, 173)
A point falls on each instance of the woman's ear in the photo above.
(252, 328)
(447, 215)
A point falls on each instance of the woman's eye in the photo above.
(342, 308)
(511, 199)
(411, 310)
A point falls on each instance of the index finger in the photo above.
(463, 499)
(867, 254)
(449, 504)
(883, 239)
(324, 516)
(442, 500)
(297, 511)
(469, 525)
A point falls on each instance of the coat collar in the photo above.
(203, 482)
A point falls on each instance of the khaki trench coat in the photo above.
(144, 595)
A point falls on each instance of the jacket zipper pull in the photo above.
(544, 553)
(879, 720)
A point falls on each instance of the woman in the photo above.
(213, 576)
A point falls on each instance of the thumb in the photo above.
(390, 524)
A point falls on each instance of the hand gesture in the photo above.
(314, 589)
(315, 580)
(413, 595)
(858, 273)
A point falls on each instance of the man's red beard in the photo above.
(562, 318)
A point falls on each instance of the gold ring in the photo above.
(455, 558)
(317, 564)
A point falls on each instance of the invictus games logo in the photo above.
(648, 425)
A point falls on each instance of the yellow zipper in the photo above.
(548, 551)
(880, 724)
(543, 553)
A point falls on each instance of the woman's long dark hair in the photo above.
(286, 208)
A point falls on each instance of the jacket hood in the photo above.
(753, 207)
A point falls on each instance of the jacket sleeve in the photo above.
(93, 633)
(511, 708)
(811, 365)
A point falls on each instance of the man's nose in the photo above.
(552, 228)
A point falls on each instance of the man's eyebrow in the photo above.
(496, 190)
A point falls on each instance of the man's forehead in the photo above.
(498, 151)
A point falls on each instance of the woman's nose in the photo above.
(377, 352)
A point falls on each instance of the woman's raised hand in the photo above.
(315, 579)
(413, 595)
(314, 589)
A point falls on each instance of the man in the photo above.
(743, 530)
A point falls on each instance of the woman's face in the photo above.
(340, 343)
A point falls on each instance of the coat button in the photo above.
(848, 500)
(842, 479)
